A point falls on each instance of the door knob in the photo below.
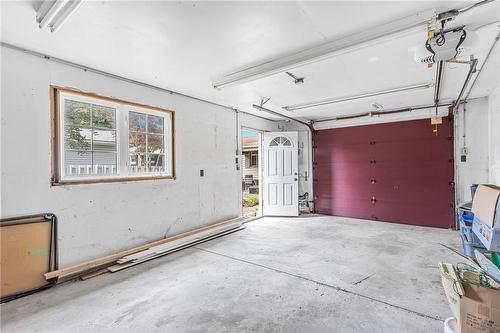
(295, 179)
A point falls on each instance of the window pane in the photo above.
(156, 162)
(89, 140)
(104, 163)
(104, 140)
(155, 143)
(103, 117)
(137, 163)
(155, 124)
(77, 138)
(136, 142)
(137, 122)
(77, 113)
(77, 163)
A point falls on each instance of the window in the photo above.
(254, 159)
(280, 141)
(103, 139)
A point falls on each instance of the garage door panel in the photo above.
(415, 196)
(343, 171)
(425, 215)
(344, 207)
(343, 136)
(431, 173)
(348, 153)
(429, 150)
(387, 172)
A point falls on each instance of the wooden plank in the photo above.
(116, 256)
(180, 242)
(119, 267)
(93, 274)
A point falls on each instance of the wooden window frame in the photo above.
(56, 179)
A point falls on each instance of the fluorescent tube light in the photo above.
(350, 98)
(51, 13)
(43, 9)
(65, 14)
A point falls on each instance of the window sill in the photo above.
(108, 180)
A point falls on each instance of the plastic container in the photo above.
(469, 247)
(450, 325)
(495, 258)
(464, 212)
(466, 230)
(473, 189)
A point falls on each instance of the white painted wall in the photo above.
(476, 169)
(494, 136)
(99, 219)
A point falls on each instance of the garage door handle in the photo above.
(373, 200)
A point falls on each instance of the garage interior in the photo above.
(136, 137)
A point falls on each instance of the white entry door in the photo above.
(280, 174)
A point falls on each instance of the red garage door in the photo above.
(396, 172)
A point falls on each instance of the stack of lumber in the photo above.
(128, 258)
(175, 245)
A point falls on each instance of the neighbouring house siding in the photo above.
(247, 169)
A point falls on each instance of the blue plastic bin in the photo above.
(466, 230)
(469, 248)
(473, 189)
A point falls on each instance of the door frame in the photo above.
(259, 167)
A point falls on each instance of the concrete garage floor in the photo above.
(307, 274)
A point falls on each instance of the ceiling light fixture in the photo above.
(66, 13)
(351, 98)
(54, 14)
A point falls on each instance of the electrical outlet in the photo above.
(463, 158)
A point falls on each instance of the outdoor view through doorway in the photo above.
(250, 141)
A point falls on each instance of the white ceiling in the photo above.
(184, 46)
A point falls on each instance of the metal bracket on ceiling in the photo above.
(264, 100)
(297, 80)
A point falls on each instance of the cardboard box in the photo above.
(486, 205)
(489, 236)
(477, 311)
